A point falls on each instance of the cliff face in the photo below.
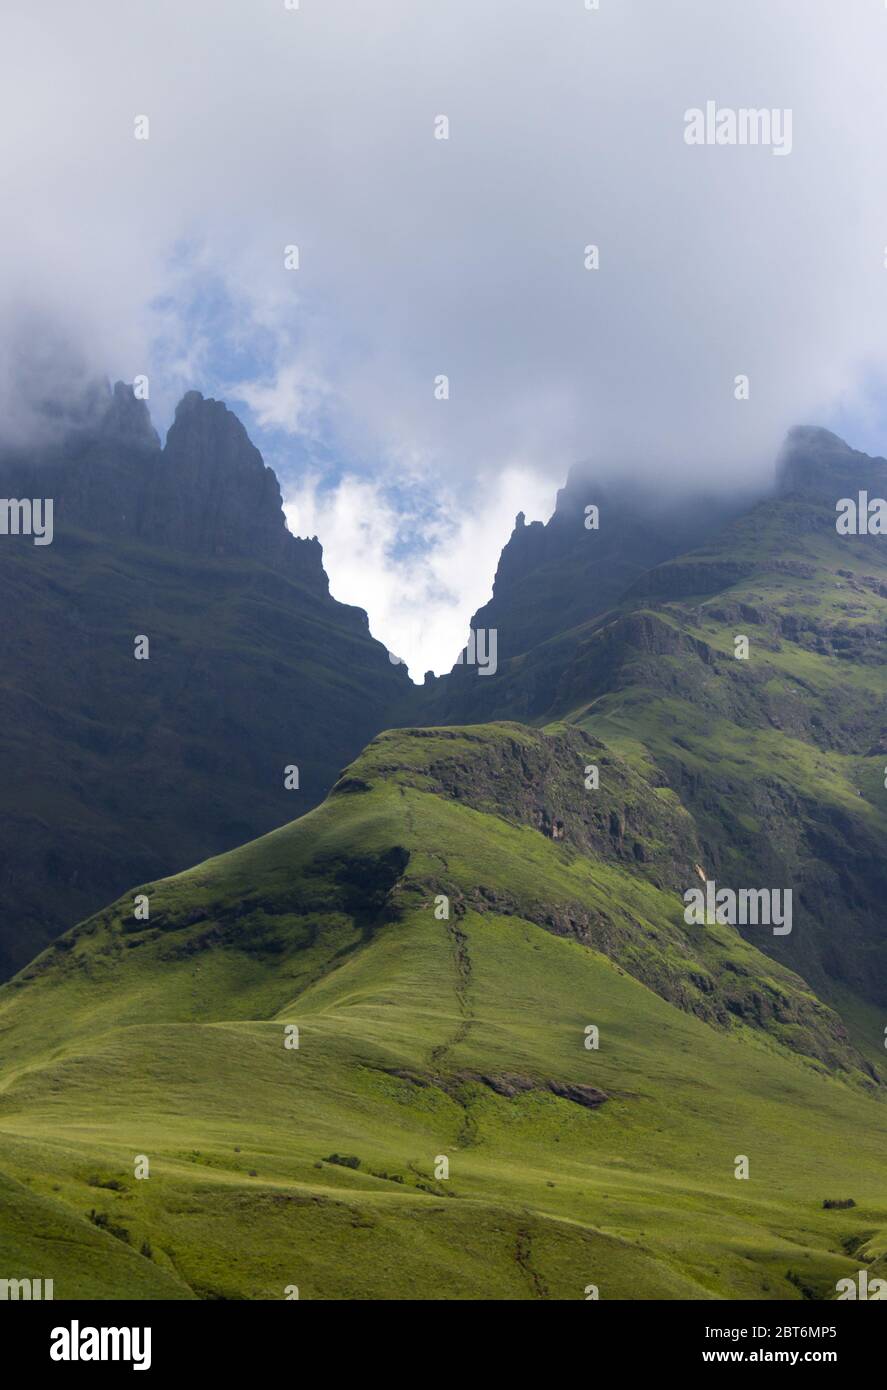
(554, 578)
(211, 494)
(206, 492)
(556, 575)
(111, 762)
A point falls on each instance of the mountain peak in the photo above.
(815, 436)
(817, 464)
(225, 499)
(128, 419)
(207, 430)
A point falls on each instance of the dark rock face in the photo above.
(207, 492)
(556, 581)
(511, 1085)
(541, 783)
(116, 770)
(211, 493)
(556, 576)
(553, 580)
(818, 466)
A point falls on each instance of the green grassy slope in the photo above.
(780, 758)
(423, 1038)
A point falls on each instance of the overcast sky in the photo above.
(421, 257)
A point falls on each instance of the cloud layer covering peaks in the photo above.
(466, 257)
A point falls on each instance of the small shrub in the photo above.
(104, 1223)
(112, 1183)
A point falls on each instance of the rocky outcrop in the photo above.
(210, 493)
(816, 465)
(206, 492)
(511, 1085)
(540, 781)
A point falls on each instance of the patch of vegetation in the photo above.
(104, 1223)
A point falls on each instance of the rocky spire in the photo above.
(127, 421)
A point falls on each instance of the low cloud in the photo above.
(419, 571)
(464, 257)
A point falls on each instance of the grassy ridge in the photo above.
(419, 1038)
(781, 758)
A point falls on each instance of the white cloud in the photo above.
(419, 600)
(271, 127)
(289, 401)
